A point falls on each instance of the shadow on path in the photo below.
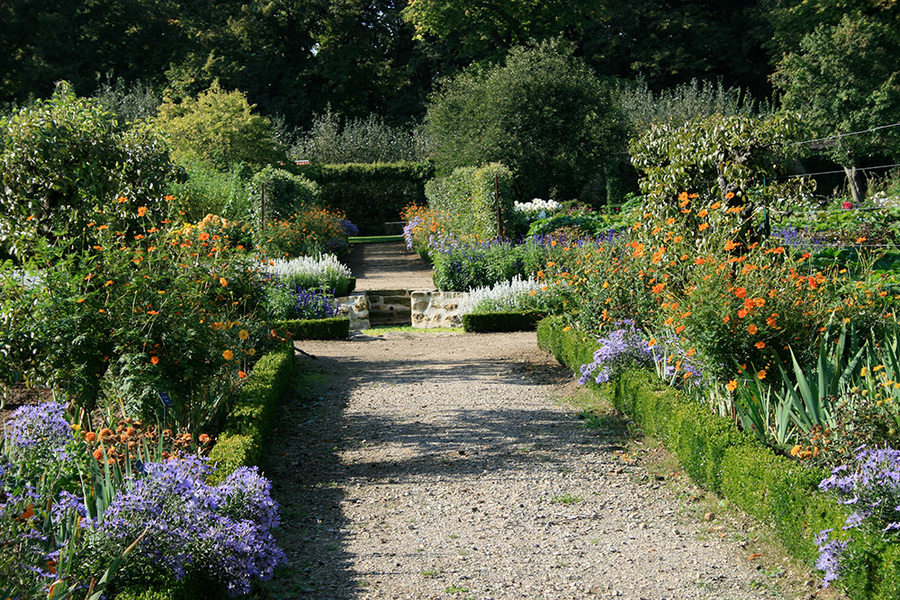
(321, 450)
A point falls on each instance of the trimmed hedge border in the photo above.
(501, 321)
(242, 439)
(772, 488)
(334, 328)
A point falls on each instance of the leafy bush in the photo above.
(468, 197)
(285, 194)
(327, 328)
(219, 127)
(542, 113)
(208, 190)
(134, 316)
(501, 321)
(67, 164)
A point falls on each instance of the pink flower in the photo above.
(847, 205)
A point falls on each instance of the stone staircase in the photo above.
(389, 307)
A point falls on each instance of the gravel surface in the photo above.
(444, 465)
(388, 266)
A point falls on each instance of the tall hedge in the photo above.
(469, 196)
(370, 194)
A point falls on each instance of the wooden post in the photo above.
(497, 201)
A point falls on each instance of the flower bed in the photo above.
(770, 487)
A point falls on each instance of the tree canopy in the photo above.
(541, 112)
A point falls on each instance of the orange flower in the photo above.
(98, 454)
(154, 360)
(242, 374)
(90, 436)
(658, 288)
(203, 236)
(762, 374)
(651, 343)
(732, 385)
(740, 292)
(228, 355)
(243, 334)
(727, 318)
(742, 313)
(752, 329)
(679, 329)
(760, 345)
(703, 226)
(142, 210)
(223, 282)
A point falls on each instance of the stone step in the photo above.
(389, 307)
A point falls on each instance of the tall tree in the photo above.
(541, 112)
(845, 78)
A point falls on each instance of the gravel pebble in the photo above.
(433, 466)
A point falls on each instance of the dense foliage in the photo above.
(541, 112)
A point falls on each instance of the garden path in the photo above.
(423, 465)
(388, 266)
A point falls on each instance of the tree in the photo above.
(65, 163)
(845, 78)
(541, 112)
(219, 127)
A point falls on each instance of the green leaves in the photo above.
(542, 113)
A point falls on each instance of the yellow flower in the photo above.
(243, 334)
(228, 355)
(732, 385)
(223, 282)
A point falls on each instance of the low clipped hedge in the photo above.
(241, 441)
(768, 486)
(501, 321)
(334, 328)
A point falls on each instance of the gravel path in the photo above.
(433, 466)
(388, 266)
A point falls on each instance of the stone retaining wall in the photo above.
(437, 309)
(422, 309)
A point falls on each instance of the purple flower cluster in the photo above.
(830, 552)
(309, 304)
(217, 533)
(621, 349)
(41, 430)
(872, 487)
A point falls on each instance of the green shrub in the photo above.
(285, 194)
(501, 321)
(543, 113)
(219, 127)
(206, 190)
(65, 164)
(241, 441)
(569, 346)
(468, 197)
(335, 328)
